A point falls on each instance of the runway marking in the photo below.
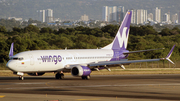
(126, 85)
(1, 96)
(88, 99)
(19, 83)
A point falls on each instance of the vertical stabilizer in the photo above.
(11, 50)
(121, 38)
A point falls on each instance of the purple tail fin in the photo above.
(11, 50)
(121, 38)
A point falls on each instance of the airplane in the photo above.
(80, 62)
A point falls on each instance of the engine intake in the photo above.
(81, 71)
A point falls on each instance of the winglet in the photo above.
(169, 55)
(11, 50)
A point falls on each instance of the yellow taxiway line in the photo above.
(1, 96)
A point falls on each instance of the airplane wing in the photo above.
(142, 51)
(103, 63)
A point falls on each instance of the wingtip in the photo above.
(169, 55)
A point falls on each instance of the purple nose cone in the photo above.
(86, 71)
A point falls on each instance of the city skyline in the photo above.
(140, 16)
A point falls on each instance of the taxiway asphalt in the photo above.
(98, 88)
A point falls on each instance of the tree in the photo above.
(111, 29)
(31, 28)
(3, 29)
(165, 32)
(46, 30)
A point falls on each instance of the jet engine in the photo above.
(81, 71)
(36, 74)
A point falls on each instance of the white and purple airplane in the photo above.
(80, 62)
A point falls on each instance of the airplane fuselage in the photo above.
(57, 60)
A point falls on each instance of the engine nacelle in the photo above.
(35, 74)
(81, 71)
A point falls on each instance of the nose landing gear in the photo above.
(20, 75)
(21, 78)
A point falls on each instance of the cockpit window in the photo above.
(16, 58)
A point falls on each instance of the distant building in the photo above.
(45, 15)
(105, 13)
(41, 15)
(139, 16)
(84, 17)
(174, 18)
(158, 15)
(17, 19)
(35, 24)
(49, 15)
(166, 18)
(150, 17)
(179, 18)
(112, 13)
(133, 17)
(120, 13)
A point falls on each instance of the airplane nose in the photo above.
(10, 65)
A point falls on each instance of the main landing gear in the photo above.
(86, 77)
(59, 75)
(21, 78)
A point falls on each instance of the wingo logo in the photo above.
(50, 58)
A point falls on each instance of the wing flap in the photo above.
(121, 62)
(142, 51)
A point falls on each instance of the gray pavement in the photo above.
(99, 88)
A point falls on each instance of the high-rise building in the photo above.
(112, 13)
(105, 13)
(133, 17)
(120, 13)
(49, 15)
(141, 16)
(166, 17)
(179, 18)
(84, 17)
(158, 15)
(41, 15)
(174, 18)
(150, 17)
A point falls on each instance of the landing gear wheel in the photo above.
(59, 76)
(86, 77)
(21, 78)
(83, 77)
